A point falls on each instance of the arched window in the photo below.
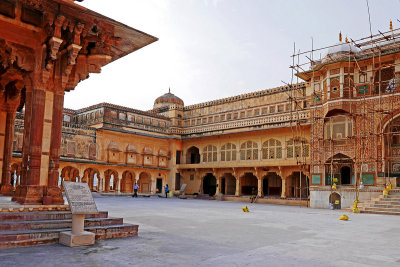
(272, 149)
(338, 127)
(297, 148)
(228, 152)
(249, 151)
(210, 153)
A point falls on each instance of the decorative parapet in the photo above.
(262, 122)
(245, 96)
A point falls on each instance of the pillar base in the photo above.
(29, 194)
(76, 240)
(56, 194)
(7, 190)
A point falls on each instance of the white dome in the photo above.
(340, 49)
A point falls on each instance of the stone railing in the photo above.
(264, 122)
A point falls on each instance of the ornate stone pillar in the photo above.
(31, 190)
(119, 186)
(237, 191)
(260, 187)
(284, 183)
(55, 146)
(218, 190)
(6, 188)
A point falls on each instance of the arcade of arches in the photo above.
(105, 180)
(266, 184)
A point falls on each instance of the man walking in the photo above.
(135, 189)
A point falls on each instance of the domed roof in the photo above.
(341, 49)
(169, 98)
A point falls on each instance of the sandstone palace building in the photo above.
(332, 137)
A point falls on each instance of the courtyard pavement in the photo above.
(177, 232)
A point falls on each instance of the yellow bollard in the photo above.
(334, 186)
(245, 209)
(385, 192)
(344, 217)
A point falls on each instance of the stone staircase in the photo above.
(389, 205)
(18, 229)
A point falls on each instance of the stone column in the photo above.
(260, 187)
(31, 189)
(118, 185)
(284, 183)
(6, 188)
(55, 146)
(237, 192)
(218, 191)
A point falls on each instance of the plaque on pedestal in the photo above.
(81, 202)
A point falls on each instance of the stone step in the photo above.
(382, 209)
(380, 212)
(386, 201)
(44, 215)
(383, 205)
(45, 236)
(51, 224)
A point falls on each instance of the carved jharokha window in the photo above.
(210, 153)
(249, 151)
(228, 152)
(272, 149)
(297, 148)
(338, 127)
(384, 80)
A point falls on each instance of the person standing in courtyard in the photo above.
(135, 189)
(166, 191)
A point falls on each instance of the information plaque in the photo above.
(80, 198)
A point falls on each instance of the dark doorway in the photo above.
(209, 184)
(193, 155)
(222, 186)
(345, 174)
(159, 186)
(249, 184)
(335, 201)
(265, 187)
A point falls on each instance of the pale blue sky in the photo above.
(211, 49)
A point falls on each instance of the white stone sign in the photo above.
(81, 202)
(80, 198)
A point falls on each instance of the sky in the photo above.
(212, 49)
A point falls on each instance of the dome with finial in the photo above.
(340, 49)
(168, 99)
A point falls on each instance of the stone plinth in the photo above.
(76, 240)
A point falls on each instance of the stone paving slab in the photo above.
(179, 232)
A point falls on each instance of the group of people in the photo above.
(136, 188)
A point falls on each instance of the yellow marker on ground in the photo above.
(245, 209)
(344, 217)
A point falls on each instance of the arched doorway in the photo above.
(249, 184)
(88, 177)
(193, 155)
(298, 185)
(335, 201)
(144, 183)
(345, 175)
(111, 180)
(127, 182)
(272, 185)
(391, 149)
(342, 170)
(209, 184)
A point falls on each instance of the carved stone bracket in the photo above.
(54, 46)
(73, 51)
